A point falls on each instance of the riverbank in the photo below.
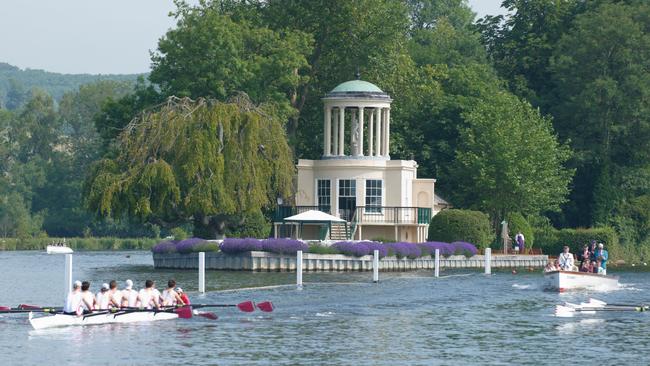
(102, 243)
(257, 261)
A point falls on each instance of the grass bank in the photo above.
(104, 243)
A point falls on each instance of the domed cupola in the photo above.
(366, 108)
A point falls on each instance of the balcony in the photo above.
(378, 215)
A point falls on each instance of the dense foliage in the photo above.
(461, 225)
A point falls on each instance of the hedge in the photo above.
(461, 225)
(105, 243)
(554, 240)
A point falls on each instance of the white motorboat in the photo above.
(569, 281)
(58, 249)
(63, 320)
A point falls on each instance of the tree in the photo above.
(508, 160)
(203, 161)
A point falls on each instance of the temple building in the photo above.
(356, 180)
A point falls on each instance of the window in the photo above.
(373, 195)
(347, 188)
(324, 195)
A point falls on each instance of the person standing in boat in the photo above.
(169, 295)
(88, 301)
(585, 256)
(566, 260)
(73, 301)
(592, 250)
(602, 255)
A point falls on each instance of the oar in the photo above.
(246, 306)
(8, 310)
(566, 311)
(602, 303)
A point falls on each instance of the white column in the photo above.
(488, 261)
(436, 264)
(360, 131)
(387, 138)
(327, 143)
(378, 123)
(354, 125)
(383, 132)
(335, 143)
(67, 277)
(371, 133)
(375, 266)
(342, 131)
(299, 269)
(202, 272)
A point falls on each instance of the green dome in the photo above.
(356, 86)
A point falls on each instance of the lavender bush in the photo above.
(189, 245)
(429, 248)
(283, 246)
(372, 245)
(464, 248)
(167, 246)
(405, 250)
(355, 249)
(236, 246)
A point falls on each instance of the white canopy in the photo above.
(313, 216)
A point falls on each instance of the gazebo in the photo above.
(311, 217)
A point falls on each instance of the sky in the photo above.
(96, 36)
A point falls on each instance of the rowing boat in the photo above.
(568, 281)
(63, 320)
(58, 249)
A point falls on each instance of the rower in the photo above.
(183, 295)
(114, 295)
(169, 295)
(129, 295)
(88, 301)
(73, 301)
(103, 297)
(149, 297)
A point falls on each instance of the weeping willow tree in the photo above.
(202, 161)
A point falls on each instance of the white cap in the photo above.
(600, 245)
(129, 284)
(105, 286)
(76, 284)
(179, 290)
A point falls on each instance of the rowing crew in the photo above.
(82, 301)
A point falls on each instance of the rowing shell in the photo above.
(567, 281)
(63, 320)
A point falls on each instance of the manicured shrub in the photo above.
(178, 233)
(355, 249)
(284, 246)
(464, 248)
(322, 249)
(189, 245)
(167, 246)
(235, 246)
(576, 238)
(429, 248)
(404, 250)
(461, 225)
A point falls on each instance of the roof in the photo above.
(313, 216)
(356, 86)
(439, 200)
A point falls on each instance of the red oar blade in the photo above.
(28, 307)
(207, 314)
(184, 312)
(266, 306)
(246, 306)
(4, 308)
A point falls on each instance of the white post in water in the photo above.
(202, 272)
(375, 266)
(299, 269)
(437, 263)
(68, 274)
(488, 261)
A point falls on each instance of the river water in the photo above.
(461, 318)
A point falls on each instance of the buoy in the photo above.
(514, 271)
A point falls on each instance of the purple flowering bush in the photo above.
(464, 248)
(167, 246)
(360, 248)
(429, 248)
(190, 245)
(404, 250)
(237, 245)
(284, 246)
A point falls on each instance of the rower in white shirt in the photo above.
(114, 295)
(73, 301)
(149, 297)
(103, 297)
(129, 295)
(169, 296)
(565, 260)
(88, 301)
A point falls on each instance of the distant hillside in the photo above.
(12, 77)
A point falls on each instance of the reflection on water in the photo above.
(337, 319)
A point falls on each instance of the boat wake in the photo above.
(579, 326)
(629, 287)
(523, 287)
